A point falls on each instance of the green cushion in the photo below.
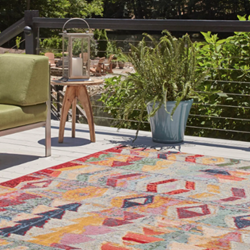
(24, 79)
(14, 116)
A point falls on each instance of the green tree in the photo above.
(12, 11)
(162, 9)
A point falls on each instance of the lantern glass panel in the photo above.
(80, 55)
(65, 56)
(76, 53)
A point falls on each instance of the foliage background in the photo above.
(12, 11)
(227, 62)
(226, 59)
(181, 9)
(222, 115)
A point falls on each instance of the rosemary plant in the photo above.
(164, 71)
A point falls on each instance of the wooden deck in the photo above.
(23, 153)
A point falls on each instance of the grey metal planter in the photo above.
(164, 129)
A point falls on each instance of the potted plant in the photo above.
(120, 58)
(164, 83)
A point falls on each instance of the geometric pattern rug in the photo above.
(129, 198)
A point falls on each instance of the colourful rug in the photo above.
(129, 198)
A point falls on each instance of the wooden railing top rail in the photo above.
(35, 22)
(147, 24)
(12, 31)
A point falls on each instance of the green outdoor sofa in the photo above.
(25, 95)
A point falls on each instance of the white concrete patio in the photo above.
(23, 153)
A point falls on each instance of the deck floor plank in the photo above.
(23, 153)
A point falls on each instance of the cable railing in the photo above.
(12, 31)
(219, 123)
(228, 117)
(15, 49)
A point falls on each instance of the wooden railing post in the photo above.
(30, 31)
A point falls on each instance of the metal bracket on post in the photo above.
(30, 31)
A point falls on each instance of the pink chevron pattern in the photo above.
(129, 199)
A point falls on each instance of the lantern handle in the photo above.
(75, 18)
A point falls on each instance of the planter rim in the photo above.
(164, 128)
(171, 102)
